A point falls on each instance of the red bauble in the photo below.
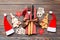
(41, 31)
(18, 14)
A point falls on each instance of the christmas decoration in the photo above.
(52, 25)
(15, 21)
(44, 22)
(17, 25)
(41, 31)
(32, 22)
(40, 12)
(28, 20)
(31, 28)
(18, 14)
(20, 30)
(8, 28)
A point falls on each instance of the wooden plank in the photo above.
(30, 38)
(14, 8)
(23, 6)
(38, 35)
(29, 2)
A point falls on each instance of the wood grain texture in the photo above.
(11, 6)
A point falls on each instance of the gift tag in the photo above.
(40, 12)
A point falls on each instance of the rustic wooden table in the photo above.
(11, 6)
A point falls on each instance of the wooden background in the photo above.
(11, 6)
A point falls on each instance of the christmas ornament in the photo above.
(8, 28)
(17, 25)
(18, 14)
(52, 24)
(20, 30)
(41, 31)
(44, 22)
(40, 12)
(30, 29)
(15, 21)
